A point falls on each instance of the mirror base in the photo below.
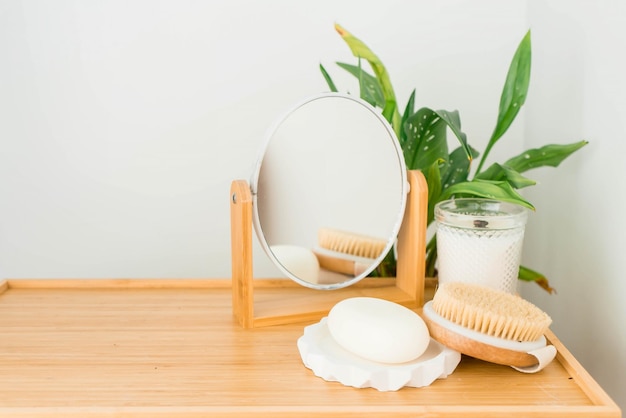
(255, 304)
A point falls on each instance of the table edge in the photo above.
(602, 402)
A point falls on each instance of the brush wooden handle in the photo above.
(477, 349)
(340, 265)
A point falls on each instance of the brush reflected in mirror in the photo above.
(329, 191)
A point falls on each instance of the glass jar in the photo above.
(480, 241)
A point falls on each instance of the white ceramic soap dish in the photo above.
(331, 362)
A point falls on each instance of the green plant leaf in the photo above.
(494, 172)
(426, 141)
(408, 111)
(453, 120)
(368, 83)
(433, 179)
(499, 190)
(390, 112)
(329, 81)
(360, 50)
(426, 137)
(513, 93)
(503, 172)
(365, 87)
(529, 275)
(370, 88)
(515, 87)
(549, 155)
(457, 168)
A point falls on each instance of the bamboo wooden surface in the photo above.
(169, 348)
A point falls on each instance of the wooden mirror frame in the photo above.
(265, 302)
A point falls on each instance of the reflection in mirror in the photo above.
(329, 190)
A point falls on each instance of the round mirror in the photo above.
(329, 191)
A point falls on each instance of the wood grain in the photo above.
(411, 264)
(152, 348)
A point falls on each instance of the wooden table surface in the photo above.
(168, 348)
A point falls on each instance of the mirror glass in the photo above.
(329, 191)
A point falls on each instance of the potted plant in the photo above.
(422, 134)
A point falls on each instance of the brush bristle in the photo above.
(350, 243)
(489, 311)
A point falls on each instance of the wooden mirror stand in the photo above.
(265, 302)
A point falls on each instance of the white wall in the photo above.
(122, 124)
(577, 237)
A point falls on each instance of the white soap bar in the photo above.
(299, 261)
(378, 330)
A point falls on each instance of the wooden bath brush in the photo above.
(350, 243)
(347, 252)
(490, 325)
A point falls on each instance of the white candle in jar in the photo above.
(480, 241)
